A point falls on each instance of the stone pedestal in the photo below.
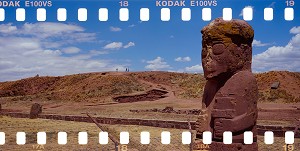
(219, 146)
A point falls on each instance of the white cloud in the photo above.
(25, 53)
(48, 29)
(41, 29)
(80, 37)
(5, 64)
(280, 57)
(132, 25)
(97, 52)
(195, 68)
(114, 45)
(183, 59)
(157, 64)
(257, 43)
(51, 35)
(118, 45)
(7, 28)
(241, 14)
(114, 29)
(71, 50)
(130, 44)
(295, 30)
(295, 41)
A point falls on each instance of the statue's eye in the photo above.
(218, 49)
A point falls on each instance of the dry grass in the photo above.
(31, 126)
(192, 85)
(288, 91)
(278, 144)
(281, 123)
(277, 95)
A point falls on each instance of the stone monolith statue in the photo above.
(35, 110)
(230, 95)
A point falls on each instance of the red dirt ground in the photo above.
(97, 92)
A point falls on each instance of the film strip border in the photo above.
(103, 14)
(145, 137)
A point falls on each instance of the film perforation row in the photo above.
(165, 14)
(145, 137)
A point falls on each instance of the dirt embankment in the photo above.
(104, 87)
(79, 87)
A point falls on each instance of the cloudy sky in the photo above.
(58, 48)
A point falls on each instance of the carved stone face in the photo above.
(226, 47)
(217, 58)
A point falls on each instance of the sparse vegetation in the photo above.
(93, 87)
(31, 126)
(192, 85)
(288, 91)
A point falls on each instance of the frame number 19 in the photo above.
(288, 147)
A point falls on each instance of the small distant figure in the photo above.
(126, 70)
(117, 69)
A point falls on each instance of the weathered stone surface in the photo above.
(170, 110)
(35, 110)
(231, 92)
(275, 85)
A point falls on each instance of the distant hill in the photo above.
(101, 87)
(288, 90)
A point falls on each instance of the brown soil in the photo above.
(98, 92)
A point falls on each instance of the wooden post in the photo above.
(116, 142)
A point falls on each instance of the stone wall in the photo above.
(278, 131)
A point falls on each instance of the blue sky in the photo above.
(59, 48)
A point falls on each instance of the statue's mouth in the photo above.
(209, 69)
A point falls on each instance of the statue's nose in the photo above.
(208, 57)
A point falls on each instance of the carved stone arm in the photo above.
(239, 123)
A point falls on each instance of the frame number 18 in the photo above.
(288, 147)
